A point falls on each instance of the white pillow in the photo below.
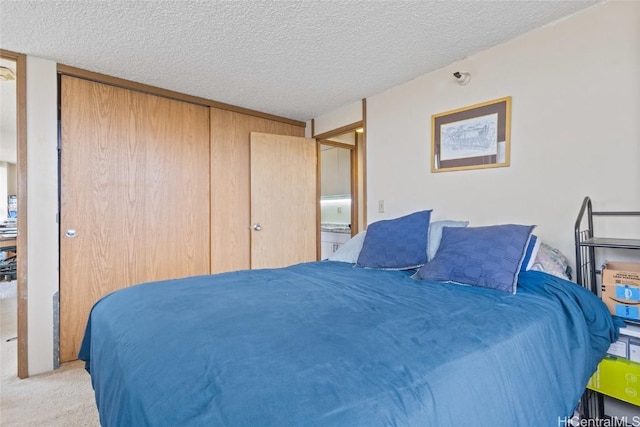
(350, 250)
(550, 260)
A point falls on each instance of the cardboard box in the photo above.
(617, 378)
(621, 289)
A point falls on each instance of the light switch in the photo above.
(381, 206)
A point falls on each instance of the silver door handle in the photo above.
(256, 227)
(70, 233)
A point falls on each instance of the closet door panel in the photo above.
(95, 221)
(176, 194)
(230, 244)
(135, 192)
(231, 185)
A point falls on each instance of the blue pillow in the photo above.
(396, 244)
(530, 253)
(489, 256)
(435, 235)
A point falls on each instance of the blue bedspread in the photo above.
(327, 344)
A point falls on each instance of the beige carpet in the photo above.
(63, 397)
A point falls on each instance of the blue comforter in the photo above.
(327, 344)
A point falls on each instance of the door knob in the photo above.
(256, 227)
(70, 233)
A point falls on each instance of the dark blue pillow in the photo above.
(530, 253)
(489, 256)
(396, 244)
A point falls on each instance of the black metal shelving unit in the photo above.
(586, 242)
(8, 265)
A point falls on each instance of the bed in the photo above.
(333, 344)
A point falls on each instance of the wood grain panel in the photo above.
(135, 187)
(230, 185)
(165, 93)
(283, 200)
(176, 193)
(22, 257)
(230, 248)
(92, 116)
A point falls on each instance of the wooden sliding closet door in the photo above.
(134, 195)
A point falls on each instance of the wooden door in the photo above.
(231, 184)
(134, 195)
(283, 200)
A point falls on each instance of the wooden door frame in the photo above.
(357, 151)
(21, 241)
(323, 138)
(353, 177)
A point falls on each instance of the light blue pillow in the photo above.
(396, 244)
(350, 250)
(435, 234)
(488, 257)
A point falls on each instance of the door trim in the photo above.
(358, 152)
(337, 144)
(363, 155)
(338, 131)
(21, 241)
(353, 184)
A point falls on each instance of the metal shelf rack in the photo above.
(586, 242)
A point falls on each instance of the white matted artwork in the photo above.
(472, 137)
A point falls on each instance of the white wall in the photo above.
(42, 194)
(575, 91)
(343, 116)
(335, 212)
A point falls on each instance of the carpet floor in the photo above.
(63, 397)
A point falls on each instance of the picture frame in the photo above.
(473, 137)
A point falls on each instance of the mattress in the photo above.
(329, 344)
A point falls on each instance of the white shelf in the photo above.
(630, 331)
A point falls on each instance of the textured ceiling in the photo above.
(298, 59)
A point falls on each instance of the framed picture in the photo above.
(473, 137)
